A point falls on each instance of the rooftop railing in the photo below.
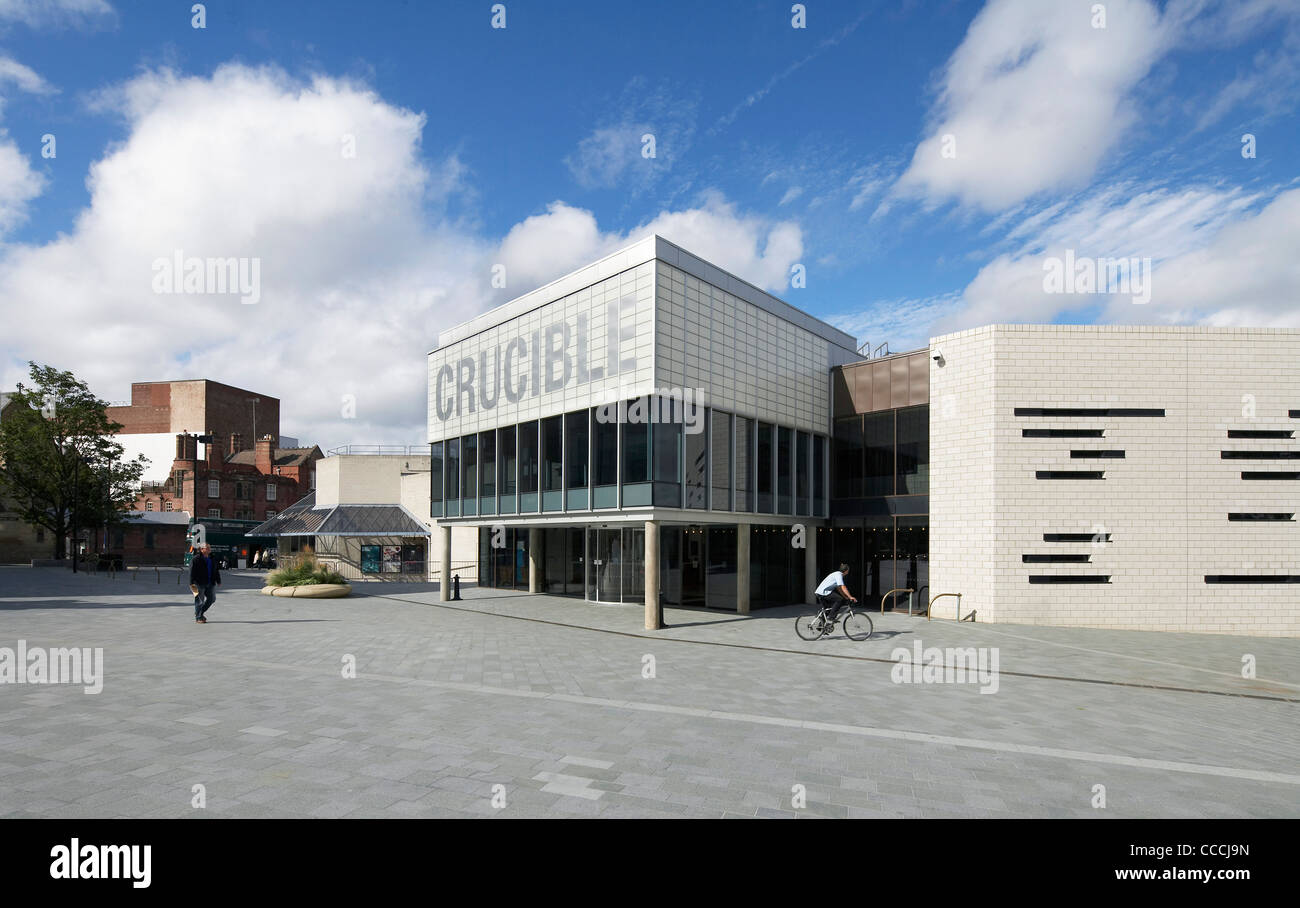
(400, 450)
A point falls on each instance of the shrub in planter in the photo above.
(305, 573)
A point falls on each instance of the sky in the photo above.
(926, 166)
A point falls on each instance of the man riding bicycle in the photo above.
(832, 592)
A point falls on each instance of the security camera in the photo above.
(937, 355)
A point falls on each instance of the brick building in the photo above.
(232, 480)
(198, 405)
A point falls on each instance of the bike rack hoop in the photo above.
(929, 611)
(892, 592)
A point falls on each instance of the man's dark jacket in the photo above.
(204, 571)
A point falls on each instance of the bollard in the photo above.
(455, 588)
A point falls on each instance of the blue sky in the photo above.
(774, 146)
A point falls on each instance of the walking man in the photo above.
(205, 577)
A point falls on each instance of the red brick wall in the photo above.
(292, 484)
(197, 406)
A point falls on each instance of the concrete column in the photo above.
(810, 577)
(534, 560)
(742, 568)
(444, 579)
(654, 618)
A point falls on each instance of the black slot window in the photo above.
(1061, 558)
(1262, 433)
(1084, 455)
(1069, 474)
(1088, 411)
(1063, 433)
(1252, 578)
(1076, 537)
(1259, 455)
(1069, 578)
(1260, 517)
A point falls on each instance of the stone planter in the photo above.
(310, 591)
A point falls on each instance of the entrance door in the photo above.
(605, 576)
(693, 567)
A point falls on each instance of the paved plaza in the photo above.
(508, 705)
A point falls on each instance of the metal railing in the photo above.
(929, 612)
(404, 450)
(892, 592)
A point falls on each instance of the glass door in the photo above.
(693, 567)
(605, 575)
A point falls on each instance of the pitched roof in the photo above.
(303, 519)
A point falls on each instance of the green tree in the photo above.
(58, 458)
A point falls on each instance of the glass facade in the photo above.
(720, 460)
(605, 454)
(487, 479)
(880, 504)
(696, 465)
(469, 481)
(435, 486)
(636, 456)
(784, 470)
(744, 464)
(576, 439)
(667, 457)
(580, 462)
(529, 462)
(763, 468)
(553, 464)
(507, 468)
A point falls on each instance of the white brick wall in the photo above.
(1165, 503)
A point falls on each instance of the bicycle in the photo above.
(857, 625)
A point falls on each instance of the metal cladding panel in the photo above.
(845, 390)
(918, 381)
(880, 385)
(898, 374)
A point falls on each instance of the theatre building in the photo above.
(651, 430)
(646, 429)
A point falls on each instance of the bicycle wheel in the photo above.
(810, 627)
(857, 626)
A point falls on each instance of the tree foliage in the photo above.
(57, 455)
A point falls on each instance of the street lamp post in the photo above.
(76, 475)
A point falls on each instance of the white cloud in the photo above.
(1219, 256)
(546, 246)
(1033, 98)
(359, 271)
(55, 13)
(19, 184)
(650, 134)
(1248, 274)
(24, 77)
